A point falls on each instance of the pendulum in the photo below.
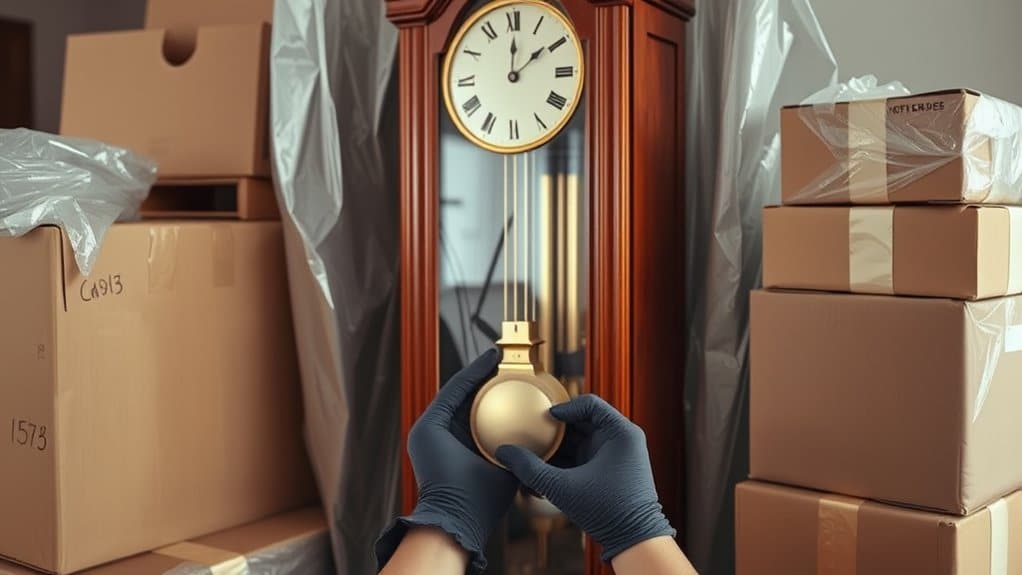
(514, 407)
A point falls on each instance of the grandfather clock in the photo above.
(542, 178)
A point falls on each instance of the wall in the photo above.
(928, 44)
(53, 20)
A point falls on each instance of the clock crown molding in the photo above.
(419, 12)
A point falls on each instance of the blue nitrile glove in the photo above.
(609, 492)
(459, 491)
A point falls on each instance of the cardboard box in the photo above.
(195, 13)
(197, 105)
(967, 252)
(785, 531)
(290, 543)
(153, 401)
(948, 146)
(907, 400)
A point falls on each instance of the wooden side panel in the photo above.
(658, 255)
(419, 204)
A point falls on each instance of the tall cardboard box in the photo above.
(914, 401)
(786, 531)
(156, 400)
(197, 104)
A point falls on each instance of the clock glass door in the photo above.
(513, 244)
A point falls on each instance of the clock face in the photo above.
(513, 75)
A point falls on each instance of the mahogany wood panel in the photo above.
(658, 260)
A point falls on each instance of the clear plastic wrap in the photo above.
(333, 114)
(81, 185)
(876, 145)
(749, 57)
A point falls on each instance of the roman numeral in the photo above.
(512, 128)
(475, 55)
(467, 81)
(514, 21)
(490, 32)
(536, 29)
(539, 120)
(558, 43)
(564, 72)
(556, 100)
(471, 105)
(489, 122)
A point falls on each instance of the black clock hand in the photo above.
(514, 50)
(532, 58)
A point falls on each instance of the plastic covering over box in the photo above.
(949, 146)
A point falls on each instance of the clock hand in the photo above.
(532, 58)
(514, 50)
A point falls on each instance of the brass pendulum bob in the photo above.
(513, 407)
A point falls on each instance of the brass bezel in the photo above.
(452, 49)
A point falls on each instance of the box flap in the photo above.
(963, 91)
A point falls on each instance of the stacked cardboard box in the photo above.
(190, 91)
(885, 356)
(158, 399)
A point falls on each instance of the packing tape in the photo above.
(999, 537)
(218, 561)
(867, 152)
(1014, 249)
(871, 250)
(223, 256)
(162, 258)
(837, 536)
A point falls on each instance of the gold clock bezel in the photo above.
(452, 50)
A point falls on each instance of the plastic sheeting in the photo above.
(81, 185)
(749, 57)
(881, 146)
(333, 115)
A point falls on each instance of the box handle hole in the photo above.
(179, 45)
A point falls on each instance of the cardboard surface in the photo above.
(814, 167)
(268, 541)
(166, 382)
(945, 251)
(901, 399)
(785, 531)
(194, 13)
(196, 103)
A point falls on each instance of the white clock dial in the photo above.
(513, 75)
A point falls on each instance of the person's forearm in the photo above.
(657, 556)
(427, 550)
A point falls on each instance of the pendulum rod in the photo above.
(504, 241)
(527, 261)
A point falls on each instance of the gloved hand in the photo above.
(459, 491)
(609, 493)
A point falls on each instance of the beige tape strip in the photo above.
(1015, 249)
(999, 526)
(871, 250)
(837, 537)
(867, 152)
(220, 562)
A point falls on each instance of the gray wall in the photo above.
(53, 20)
(928, 44)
